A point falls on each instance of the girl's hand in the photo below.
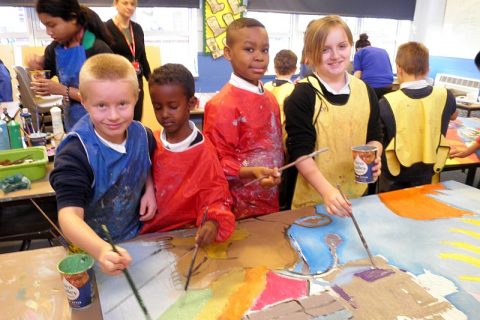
(336, 204)
(377, 168)
(45, 87)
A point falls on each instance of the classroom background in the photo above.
(174, 32)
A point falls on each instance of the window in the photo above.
(387, 34)
(174, 30)
(383, 33)
(14, 26)
(280, 34)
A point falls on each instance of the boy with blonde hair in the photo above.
(102, 166)
(414, 121)
(243, 122)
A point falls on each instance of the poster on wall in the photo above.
(218, 14)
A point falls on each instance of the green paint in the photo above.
(75, 263)
(188, 306)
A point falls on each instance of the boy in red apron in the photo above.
(191, 189)
(243, 122)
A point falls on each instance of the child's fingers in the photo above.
(150, 212)
(143, 208)
(206, 234)
(125, 257)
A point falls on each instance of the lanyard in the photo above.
(132, 46)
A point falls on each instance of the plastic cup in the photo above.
(37, 139)
(39, 74)
(77, 277)
(363, 161)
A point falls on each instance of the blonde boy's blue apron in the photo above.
(118, 179)
(69, 61)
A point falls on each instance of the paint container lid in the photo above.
(75, 263)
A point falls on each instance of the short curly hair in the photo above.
(174, 73)
(285, 62)
(240, 24)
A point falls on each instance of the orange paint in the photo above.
(415, 203)
(240, 301)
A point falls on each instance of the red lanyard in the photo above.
(132, 46)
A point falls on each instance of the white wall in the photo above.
(449, 28)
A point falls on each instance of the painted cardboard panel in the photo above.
(304, 264)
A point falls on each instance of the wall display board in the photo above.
(218, 14)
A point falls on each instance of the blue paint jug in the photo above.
(4, 139)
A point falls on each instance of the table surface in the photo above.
(39, 189)
(275, 263)
(460, 132)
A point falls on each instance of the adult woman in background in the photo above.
(78, 33)
(372, 65)
(129, 42)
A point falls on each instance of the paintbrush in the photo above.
(364, 242)
(291, 164)
(69, 246)
(195, 252)
(127, 275)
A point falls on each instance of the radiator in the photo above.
(465, 89)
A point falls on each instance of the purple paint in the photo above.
(372, 275)
(344, 295)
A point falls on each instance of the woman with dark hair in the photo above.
(78, 33)
(372, 65)
(129, 42)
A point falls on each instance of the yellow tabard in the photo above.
(338, 127)
(280, 93)
(418, 137)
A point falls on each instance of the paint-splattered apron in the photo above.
(187, 183)
(338, 127)
(69, 61)
(246, 131)
(118, 179)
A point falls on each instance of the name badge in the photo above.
(136, 66)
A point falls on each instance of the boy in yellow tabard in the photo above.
(415, 122)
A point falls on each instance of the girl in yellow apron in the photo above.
(333, 109)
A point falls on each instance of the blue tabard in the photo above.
(69, 61)
(118, 179)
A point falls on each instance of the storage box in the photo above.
(32, 170)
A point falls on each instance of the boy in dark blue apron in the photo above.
(103, 164)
